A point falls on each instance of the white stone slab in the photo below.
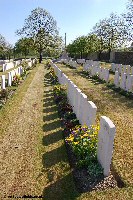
(128, 69)
(116, 79)
(105, 143)
(3, 83)
(129, 83)
(106, 75)
(9, 79)
(90, 113)
(123, 81)
(83, 101)
(131, 70)
(77, 102)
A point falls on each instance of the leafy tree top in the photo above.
(40, 19)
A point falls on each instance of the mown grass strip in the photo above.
(12, 104)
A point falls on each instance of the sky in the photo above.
(74, 17)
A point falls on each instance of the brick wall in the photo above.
(125, 58)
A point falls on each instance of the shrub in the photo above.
(16, 80)
(48, 65)
(4, 93)
(53, 76)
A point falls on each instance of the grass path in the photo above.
(33, 159)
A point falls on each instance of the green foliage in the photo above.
(53, 76)
(94, 169)
(83, 45)
(6, 49)
(83, 141)
(111, 31)
(4, 93)
(24, 46)
(42, 28)
(128, 19)
(48, 65)
(16, 80)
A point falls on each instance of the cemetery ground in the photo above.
(34, 161)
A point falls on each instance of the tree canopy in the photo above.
(42, 28)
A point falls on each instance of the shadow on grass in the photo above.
(54, 157)
(47, 99)
(50, 116)
(60, 190)
(52, 138)
(60, 185)
(49, 109)
(51, 126)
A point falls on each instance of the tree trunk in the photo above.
(40, 57)
(81, 54)
(99, 55)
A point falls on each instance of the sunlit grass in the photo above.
(120, 110)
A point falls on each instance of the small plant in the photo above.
(24, 64)
(83, 141)
(94, 169)
(4, 93)
(48, 64)
(59, 94)
(53, 76)
(16, 80)
(24, 74)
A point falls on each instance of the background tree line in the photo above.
(39, 36)
(114, 32)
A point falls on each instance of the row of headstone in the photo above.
(101, 72)
(11, 74)
(12, 64)
(92, 62)
(125, 81)
(5, 61)
(81, 61)
(9, 65)
(72, 64)
(122, 68)
(85, 111)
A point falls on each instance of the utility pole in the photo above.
(65, 40)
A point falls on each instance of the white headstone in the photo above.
(129, 83)
(123, 81)
(106, 75)
(116, 79)
(128, 69)
(105, 143)
(3, 82)
(82, 107)
(9, 79)
(74, 87)
(132, 70)
(90, 113)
